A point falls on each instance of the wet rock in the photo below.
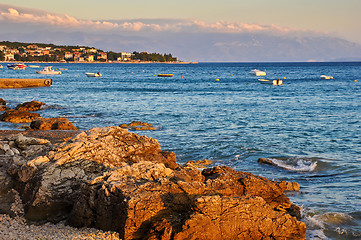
(18, 116)
(138, 125)
(30, 106)
(52, 124)
(265, 161)
(201, 163)
(2, 104)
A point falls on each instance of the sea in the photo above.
(309, 127)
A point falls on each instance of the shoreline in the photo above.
(117, 62)
(54, 136)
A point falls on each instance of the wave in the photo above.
(295, 164)
(331, 225)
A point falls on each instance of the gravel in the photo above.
(17, 228)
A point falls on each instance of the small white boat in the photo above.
(34, 66)
(48, 71)
(93, 74)
(271, 82)
(326, 77)
(257, 72)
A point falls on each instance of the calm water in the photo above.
(311, 128)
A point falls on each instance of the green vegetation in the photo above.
(42, 52)
(153, 57)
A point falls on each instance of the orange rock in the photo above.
(18, 116)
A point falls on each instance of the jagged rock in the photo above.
(112, 179)
(50, 184)
(18, 116)
(141, 205)
(52, 124)
(201, 163)
(30, 106)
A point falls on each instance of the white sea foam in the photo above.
(295, 164)
(317, 224)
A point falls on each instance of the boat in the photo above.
(257, 72)
(1, 66)
(326, 77)
(165, 75)
(48, 71)
(17, 66)
(271, 82)
(34, 66)
(63, 69)
(93, 74)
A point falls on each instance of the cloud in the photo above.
(21, 15)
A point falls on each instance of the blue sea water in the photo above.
(309, 127)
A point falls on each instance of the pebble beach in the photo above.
(17, 228)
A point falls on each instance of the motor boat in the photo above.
(271, 82)
(48, 71)
(93, 74)
(17, 66)
(326, 77)
(257, 72)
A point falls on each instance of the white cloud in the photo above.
(19, 15)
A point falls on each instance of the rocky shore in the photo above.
(110, 183)
(57, 182)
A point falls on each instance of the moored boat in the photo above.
(48, 71)
(326, 77)
(17, 66)
(34, 66)
(93, 74)
(165, 75)
(271, 82)
(257, 72)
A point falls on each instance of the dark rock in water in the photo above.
(18, 116)
(138, 125)
(2, 104)
(112, 179)
(30, 106)
(52, 124)
(265, 161)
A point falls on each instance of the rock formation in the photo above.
(112, 179)
(18, 116)
(30, 106)
(2, 104)
(138, 125)
(52, 124)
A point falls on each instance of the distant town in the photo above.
(40, 52)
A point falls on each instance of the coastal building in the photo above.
(68, 55)
(91, 50)
(90, 58)
(125, 56)
(77, 56)
(103, 55)
(33, 47)
(9, 56)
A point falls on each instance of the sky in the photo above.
(190, 27)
